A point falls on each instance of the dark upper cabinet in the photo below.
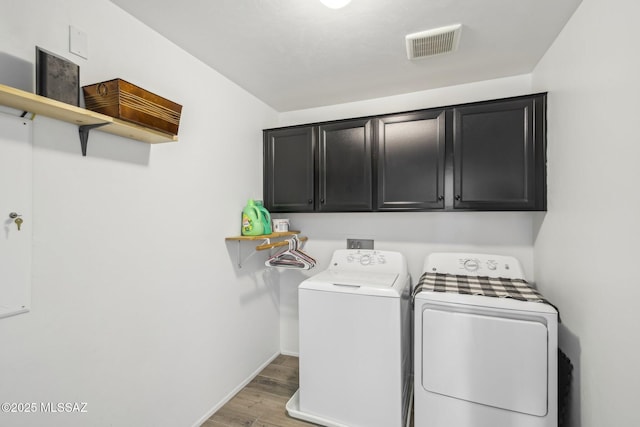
(499, 155)
(410, 151)
(344, 166)
(483, 156)
(289, 159)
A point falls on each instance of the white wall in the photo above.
(586, 252)
(451, 95)
(137, 306)
(414, 234)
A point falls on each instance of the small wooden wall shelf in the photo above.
(264, 236)
(85, 119)
(266, 241)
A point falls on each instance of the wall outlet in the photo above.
(359, 243)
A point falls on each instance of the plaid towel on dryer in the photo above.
(499, 287)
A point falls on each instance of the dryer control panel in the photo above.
(474, 265)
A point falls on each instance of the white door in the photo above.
(15, 199)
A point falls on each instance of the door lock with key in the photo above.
(16, 218)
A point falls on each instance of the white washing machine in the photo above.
(355, 357)
(482, 361)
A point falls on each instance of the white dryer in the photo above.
(355, 357)
(482, 361)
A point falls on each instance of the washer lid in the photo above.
(355, 282)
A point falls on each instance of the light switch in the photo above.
(78, 42)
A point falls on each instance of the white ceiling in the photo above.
(296, 54)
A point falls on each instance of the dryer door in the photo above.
(485, 359)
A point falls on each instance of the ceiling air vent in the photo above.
(433, 42)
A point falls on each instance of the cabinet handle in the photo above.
(310, 201)
(440, 197)
(458, 197)
(322, 201)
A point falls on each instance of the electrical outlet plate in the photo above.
(359, 243)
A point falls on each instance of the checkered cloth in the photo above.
(479, 285)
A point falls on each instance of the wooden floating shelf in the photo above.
(264, 236)
(266, 241)
(41, 105)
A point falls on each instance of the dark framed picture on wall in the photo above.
(57, 78)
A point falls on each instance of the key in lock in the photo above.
(16, 218)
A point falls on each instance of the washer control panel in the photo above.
(372, 261)
(474, 265)
(368, 258)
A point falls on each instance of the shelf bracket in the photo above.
(240, 260)
(84, 135)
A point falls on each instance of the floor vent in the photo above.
(433, 42)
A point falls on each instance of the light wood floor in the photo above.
(262, 402)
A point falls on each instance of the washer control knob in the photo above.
(365, 259)
(471, 265)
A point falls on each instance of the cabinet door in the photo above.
(499, 155)
(289, 169)
(345, 166)
(410, 159)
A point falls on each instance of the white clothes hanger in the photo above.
(292, 257)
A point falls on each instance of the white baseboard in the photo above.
(289, 353)
(235, 391)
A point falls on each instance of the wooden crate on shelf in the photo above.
(123, 100)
